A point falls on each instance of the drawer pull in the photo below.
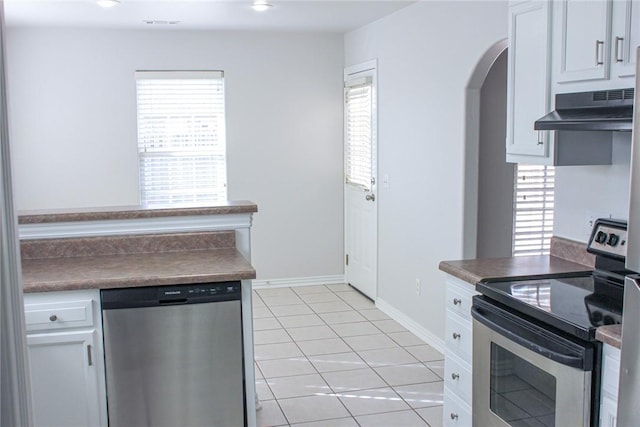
(53, 317)
(456, 335)
(457, 301)
(455, 376)
(454, 416)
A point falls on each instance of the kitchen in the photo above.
(418, 80)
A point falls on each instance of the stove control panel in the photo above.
(609, 238)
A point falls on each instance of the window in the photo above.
(181, 137)
(358, 132)
(533, 210)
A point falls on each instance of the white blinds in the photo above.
(533, 210)
(181, 136)
(358, 132)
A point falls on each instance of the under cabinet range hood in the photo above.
(605, 110)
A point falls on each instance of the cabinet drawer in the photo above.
(458, 378)
(608, 412)
(458, 337)
(455, 412)
(58, 315)
(459, 300)
(459, 297)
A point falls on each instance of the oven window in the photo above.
(521, 393)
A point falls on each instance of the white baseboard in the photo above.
(411, 325)
(299, 281)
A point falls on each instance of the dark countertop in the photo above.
(133, 212)
(133, 270)
(610, 334)
(475, 270)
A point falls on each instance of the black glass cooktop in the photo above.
(575, 305)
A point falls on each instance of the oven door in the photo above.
(525, 374)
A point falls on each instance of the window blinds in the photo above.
(181, 136)
(358, 132)
(533, 210)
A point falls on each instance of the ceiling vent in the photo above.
(160, 22)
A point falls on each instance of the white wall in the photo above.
(426, 55)
(73, 128)
(592, 191)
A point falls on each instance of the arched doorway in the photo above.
(488, 203)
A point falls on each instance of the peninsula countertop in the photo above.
(133, 270)
(134, 212)
(95, 256)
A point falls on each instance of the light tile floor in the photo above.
(326, 357)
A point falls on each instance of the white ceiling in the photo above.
(285, 15)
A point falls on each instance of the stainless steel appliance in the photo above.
(174, 355)
(629, 386)
(535, 357)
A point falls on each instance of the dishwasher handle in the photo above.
(174, 301)
(155, 296)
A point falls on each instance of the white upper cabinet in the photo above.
(626, 38)
(528, 82)
(585, 36)
(594, 44)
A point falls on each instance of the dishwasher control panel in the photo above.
(152, 296)
(187, 291)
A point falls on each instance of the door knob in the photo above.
(370, 197)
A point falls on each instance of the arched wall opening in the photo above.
(488, 201)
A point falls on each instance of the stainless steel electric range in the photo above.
(536, 361)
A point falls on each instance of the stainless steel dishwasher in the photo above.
(174, 355)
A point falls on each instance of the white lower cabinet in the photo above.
(64, 339)
(458, 353)
(610, 380)
(456, 411)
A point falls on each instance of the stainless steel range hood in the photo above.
(607, 110)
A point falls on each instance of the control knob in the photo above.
(613, 239)
(601, 237)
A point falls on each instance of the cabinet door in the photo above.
(608, 412)
(64, 379)
(626, 37)
(528, 89)
(585, 40)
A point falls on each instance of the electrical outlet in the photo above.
(418, 287)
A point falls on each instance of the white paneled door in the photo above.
(361, 210)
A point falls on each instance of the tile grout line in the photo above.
(312, 365)
(355, 310)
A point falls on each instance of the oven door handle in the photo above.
(539, 340)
